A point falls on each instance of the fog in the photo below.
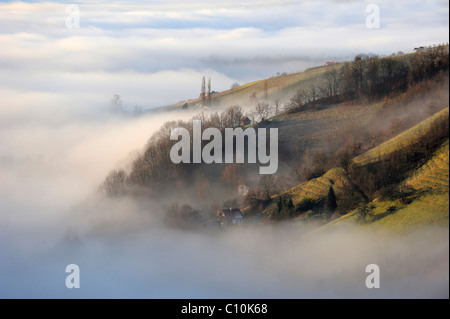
(52, 216)
(58, 141)
(154, 54)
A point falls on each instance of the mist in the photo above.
(59, 139)
(52, 216)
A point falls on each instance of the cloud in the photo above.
(120, 38)
(57, 143)
(51, 216)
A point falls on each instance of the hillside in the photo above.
(385, 166)
(267, 89)
(402, 141)
(342, 143)
(317, 188)
(425, 201)
(395, 216)
(433, 175)
(318, 82)
(308, 198)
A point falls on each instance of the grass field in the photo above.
(403, 140)
(433, 175)
(327, 127)
(429, 205)
(279, 87)
(394, 216)
(317, 188)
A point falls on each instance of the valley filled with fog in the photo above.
(60, 137)
(52, 215)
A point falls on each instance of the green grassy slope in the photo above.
(403, 140)
(428, 206)
(280, 87)
(433, 175)
(317, 188)
(319, 127)
(277, 88)
(426, 210)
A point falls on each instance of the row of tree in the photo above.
(371, 77)
(154, 170)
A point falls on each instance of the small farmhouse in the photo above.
(420, 49)
(229, 217)
(245, 121)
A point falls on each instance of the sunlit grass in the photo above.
(401, 141)
(278, 87)
(433, 175)
(317, 188)
(394, 216)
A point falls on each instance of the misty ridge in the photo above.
(103, 195)
(409, 89)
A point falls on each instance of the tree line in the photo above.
(371, 77)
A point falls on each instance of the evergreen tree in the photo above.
(290, 208)
(331, 203)
(279, 204)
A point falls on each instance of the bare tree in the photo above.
(115, 183)
(313, 92)
(267, 186)
(214, 121)
(297, 100)
(359, 67)
(332, 78)
(262, 110)
(251, 114)
(266, 88)
(276, 105)
(116, 103)
(252, 200)
(232, 116)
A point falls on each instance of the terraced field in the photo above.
(433, 175)
(428, 209)
(315, 125)
(317, 188)
(403, 140)
(424, 211)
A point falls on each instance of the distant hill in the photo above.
(278, 87)
(362, 139)
(315, 81)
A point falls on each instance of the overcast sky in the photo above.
(154, 53)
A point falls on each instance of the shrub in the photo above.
(305, 204)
